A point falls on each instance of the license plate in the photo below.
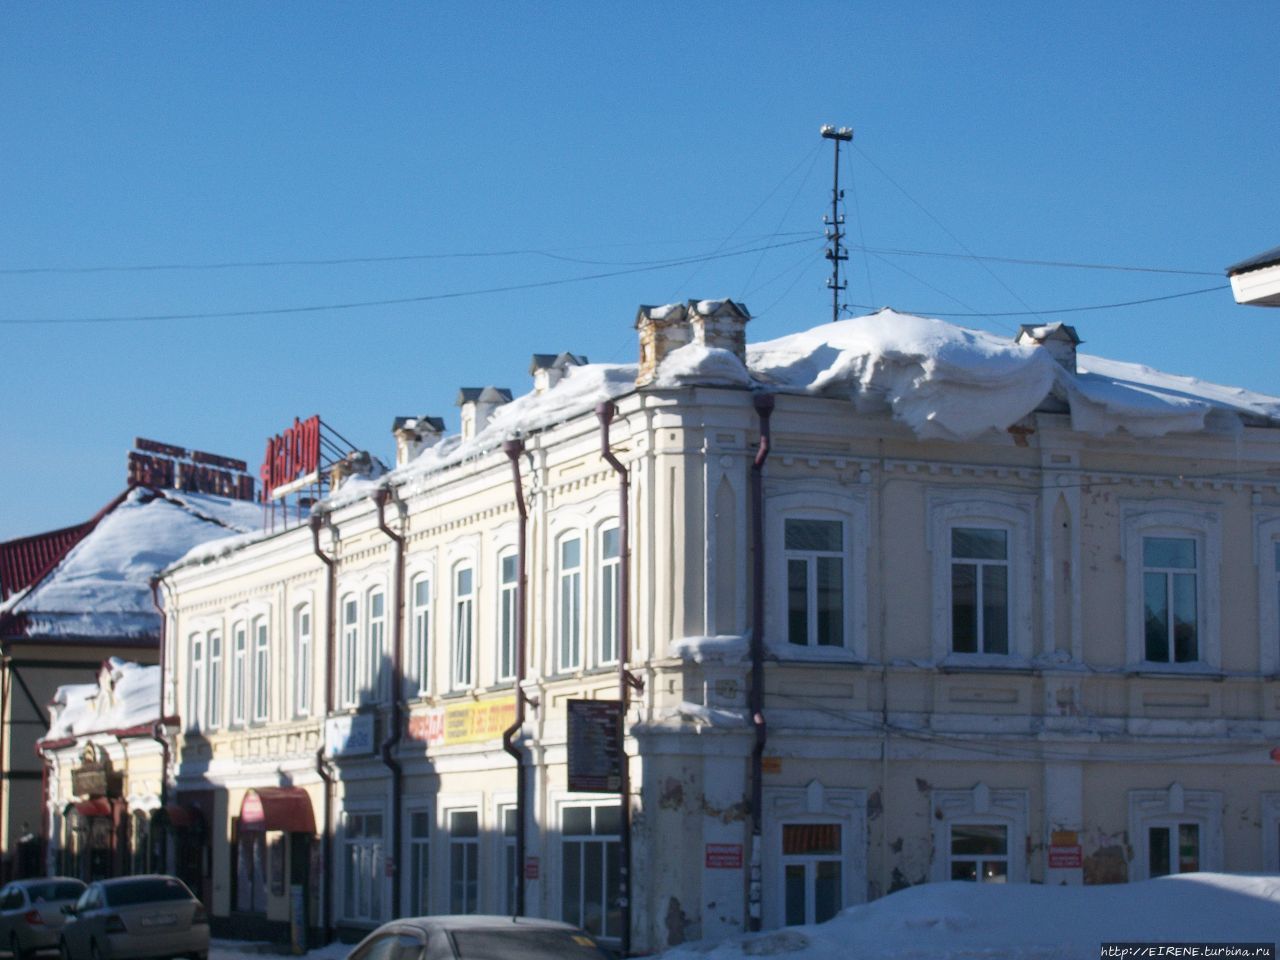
(160, 920)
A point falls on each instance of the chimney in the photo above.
(547, 369)
(662, 330)
(478, 404)
(415, 434)
(357, 463)
(1059, 339)
(720, 323)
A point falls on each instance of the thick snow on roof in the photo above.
(1022, 921)
(126, 695)
(102, 586)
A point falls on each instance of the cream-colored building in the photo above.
(904, 603)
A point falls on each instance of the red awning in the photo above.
(97, 807)
(277, 808)
(182, 816)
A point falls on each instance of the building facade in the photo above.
(897, 603)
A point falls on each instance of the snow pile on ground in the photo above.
(126, 695)
(1022, 921)
(102, 586)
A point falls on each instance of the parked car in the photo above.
(476, 938)
(132, 918)
(31, 916)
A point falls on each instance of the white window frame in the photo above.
(980, 566)
(375, 671)
(419, 679)
(1162, 808)
(504, 663)
(462, 633)
(1007, 858)
(471, 859)
(504, 858)
(1266, 543)
(1013, 513)
(602, 839)
(568, 604)
(811, 558)
(814, 803)
(418, 871)
(261, 634)
(816, 500)
(303, 657)
(373, 858)
(609, 583)
(239, 670)
(1200, 522)
(213, 644)
(349, 649)
(981, 805)
(197, 652)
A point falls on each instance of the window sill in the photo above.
(791, 653)
(1197, 669)
(985, 662)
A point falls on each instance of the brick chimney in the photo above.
(547, 369)
(478, 404)
(720, 323)
(415, 434)
(708, 323)
(358, 463)
(1059, 339)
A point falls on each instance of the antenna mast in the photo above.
(836, 251)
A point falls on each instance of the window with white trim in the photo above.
(463, 625)
(978, 852)
(464, 861)
(261, 670)
(1174, 831)
(362, 867)
(213, 640)
(980, 835)
(979, 590)
(420, 664)
(1173, 848)
(507, 614)
(196, 682)
(350, 665)
(610, 582)
(812, 861)
(569, 630)
(419, 862)
(510, 868)
(591, 868)
(302, 657)
(815, 581)
(1169, 608)
(377, 671)
(239, 657)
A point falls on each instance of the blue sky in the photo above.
(147, 134)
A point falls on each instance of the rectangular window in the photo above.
(980, 852)
(377, 671)
(1173, 848)
(422, 635)
(195, 691)
(979, 590)
(610, 572)
(419, 863)
(569, 655)
(302, 661)
(463, 608)
(510, 869)
(464, 861)
(812, 872)
(1169, 599)
(362, 867)
(507, 614)
(261, 670)
(815, 582)
(350, 651)
(214, 640)
(251, 871)
(239, 652)
(591, 881)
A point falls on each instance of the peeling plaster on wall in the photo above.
(923, 785)
(680, 926)
(672, 795)
(735, 813)
(1107, 857)
(874, 805)
(896, 846)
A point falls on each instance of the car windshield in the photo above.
(526, 943)
(54, 890)
(146, 891)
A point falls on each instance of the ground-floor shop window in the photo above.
(510, 869)
(464, 861)
(979, 852)
(591, 869)
(141, 842)
(1173, 848)
(1175, 830)
(813, 882)
(251, 872)
(362, 867)
(419, 862)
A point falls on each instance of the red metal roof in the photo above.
(28, 560)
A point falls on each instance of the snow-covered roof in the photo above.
(126, 695)
(101, 588)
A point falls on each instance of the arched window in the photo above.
(420, 662)
(261, 670)
(377, 670)
(302, 656)
(463, 626)
(349, 665)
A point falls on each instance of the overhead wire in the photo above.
(1060, 310)
(862, 234)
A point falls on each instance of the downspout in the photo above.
(157, 728)
(763, 403)
(606, 412)
(514, 449)
(331, 590)
(397, 689)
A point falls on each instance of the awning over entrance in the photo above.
(96, 807)
(277, 808)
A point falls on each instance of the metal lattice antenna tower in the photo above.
(835, 220)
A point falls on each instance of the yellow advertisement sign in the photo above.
(463, 722)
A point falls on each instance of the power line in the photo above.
(897, 251)
(397, 301)
(1025, 313)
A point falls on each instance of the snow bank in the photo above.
(1022, 921)
(702, 716)
(126, 695)
(728, 648)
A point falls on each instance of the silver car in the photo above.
(132, 918)
(476, 938)
(31, 914)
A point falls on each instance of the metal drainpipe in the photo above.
(331, 599)
(763, 403)
(514, 449)
(157, 728)
(606, 412)
(397, 689)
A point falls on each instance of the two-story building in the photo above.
(897, 602)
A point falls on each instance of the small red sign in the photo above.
(1066, 858)
(724, 856)
(531, 868)
(1275, 754)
